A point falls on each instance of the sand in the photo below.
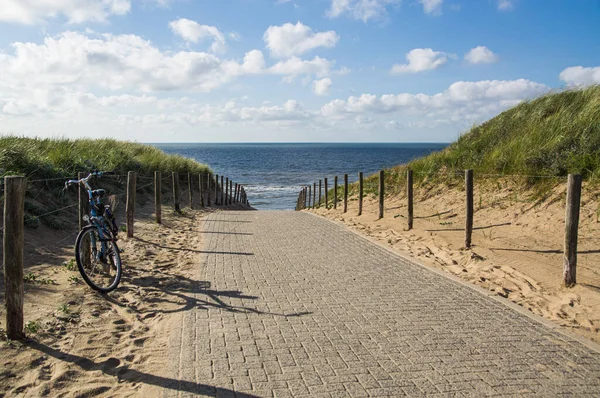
(517, 244)
(94, 345)
(90, 344)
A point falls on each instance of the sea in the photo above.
(274, 173)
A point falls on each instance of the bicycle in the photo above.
(96, 251)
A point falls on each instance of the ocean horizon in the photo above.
(273, 173)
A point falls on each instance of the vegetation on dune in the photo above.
(48, 163)
(553, 135)
(550, 136)
(38, 158)
(556, 134)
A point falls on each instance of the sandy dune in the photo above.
(88, 344)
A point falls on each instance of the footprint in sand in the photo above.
(45, 373)
(139, 342)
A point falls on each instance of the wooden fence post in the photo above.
(345, 193)
(191, 190)
(216, 189)
(360, 193)
(235, 194)
(226, 191)
(335, 195)
(326, 196)
(571, 229)
(201, 190)
(222, 199)
(208, 192)
(175, 178)
(303, 198)
(13, 241)
(469, 218)
(309, 195)
(381, 192)
(84, 209)
(230, 191)
(314, 195)
(409, 196)
(157, 197)
(130, 203)
(320, 183)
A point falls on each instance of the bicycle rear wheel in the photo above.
(100, 269)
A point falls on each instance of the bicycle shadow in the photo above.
(183, 249)
(113, 367)
(185, 294)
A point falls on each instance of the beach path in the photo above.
(291, 304)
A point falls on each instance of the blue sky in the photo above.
(277, 70)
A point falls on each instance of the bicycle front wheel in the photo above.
(99, 261)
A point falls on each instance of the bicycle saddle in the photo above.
(98, 193)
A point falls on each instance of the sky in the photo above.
(284, 70)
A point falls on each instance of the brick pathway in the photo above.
(295, 305)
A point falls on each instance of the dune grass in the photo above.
(48, 163)
(535, 144)
(55, 158)
(550, 136)
(555, 134)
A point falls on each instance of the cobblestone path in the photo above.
(295, 305)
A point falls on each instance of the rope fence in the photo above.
(384, 187)
(29, 202)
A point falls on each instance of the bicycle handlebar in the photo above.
(98, 174)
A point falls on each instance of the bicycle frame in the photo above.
(95, 219)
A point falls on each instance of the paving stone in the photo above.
(295, 305)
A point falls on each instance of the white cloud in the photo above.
(419, 60)
(393, 125)
(481, 55)
(432, 6)
(462, 101)
(124, 62)
(75, 11)
(128, 62)
(363, 10)
(294, 66)
(192, 31)
(580, 76)
(505, 5)
(46, 111)
(288, 39)
(254, 63)
(321, 87)
(235, 36)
